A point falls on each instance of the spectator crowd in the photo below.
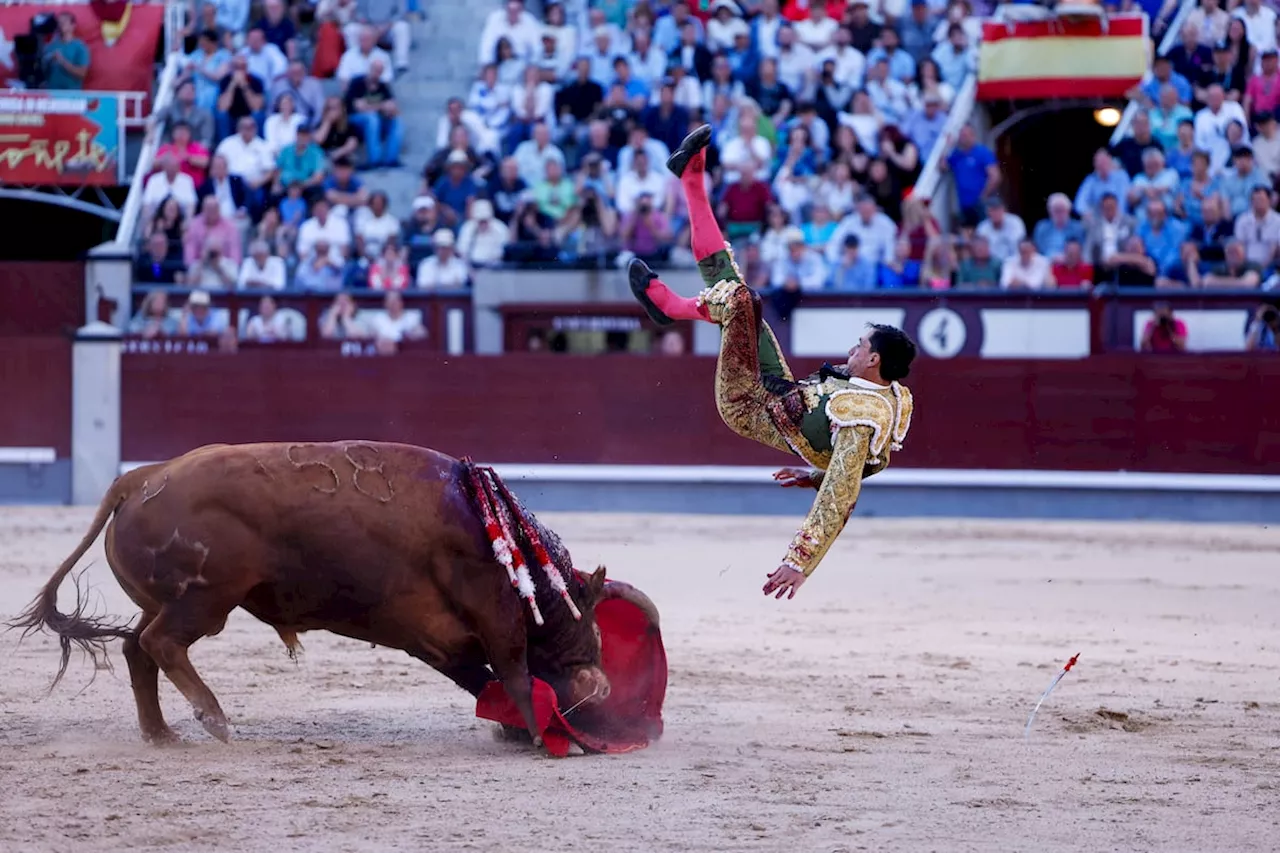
(823, 111)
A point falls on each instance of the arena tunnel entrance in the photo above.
(1045, 149)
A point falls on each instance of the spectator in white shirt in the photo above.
(747, 147)
(169, 182)
(531, 103)
(851, 63)
(375, 226)
(271, 324)
(796, 63)
(1003, 230)
(638, 180)
(640, 140)
(248, 156)
(261, 270)
(1027, 269)
(393, 324)
(333, 230)
(1258, 229)
(800, 268)
(266, 61)
(512, 22)
(482, 238)
(281, 127)
(444, 270)
(355, 60)
(818, 31)
(1259, 27)
(875, 231)
(532, 155)
(647, 63)
(1212, 120)
(726, 22)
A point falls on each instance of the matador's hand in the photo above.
(792, 477)
(784, 579)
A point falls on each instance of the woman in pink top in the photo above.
(193, 158)
(389, 272)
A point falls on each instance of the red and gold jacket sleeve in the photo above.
(862, 423)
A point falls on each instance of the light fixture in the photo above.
(1107, 116)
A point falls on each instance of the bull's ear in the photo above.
(596, 582)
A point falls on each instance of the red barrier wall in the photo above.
(35, 393)
(41, 297)
(1209, 414)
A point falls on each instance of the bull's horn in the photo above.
(627, 592)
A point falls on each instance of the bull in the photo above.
(385, 543)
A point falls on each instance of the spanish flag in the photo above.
(1082, 57)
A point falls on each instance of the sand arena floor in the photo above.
(882, 709)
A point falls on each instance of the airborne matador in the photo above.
(843, 423)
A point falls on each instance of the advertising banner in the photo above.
(122, 39)
(66, 138)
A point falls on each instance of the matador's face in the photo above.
(861, 358)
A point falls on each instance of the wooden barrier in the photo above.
(1212, 414)
(41, 298)
(35, 387)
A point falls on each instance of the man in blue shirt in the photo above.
(65, 58)
(924, 127)
(976, 174)
(1051, 235)
(1104, 180)
(1161, 73)
(853, 273)
(1162, 236)
(902, 66)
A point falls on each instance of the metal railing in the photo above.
(1167, 43)
(132, 209)
(961, 108)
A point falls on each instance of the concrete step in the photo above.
(443, 65)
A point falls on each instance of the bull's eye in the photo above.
(599, 640)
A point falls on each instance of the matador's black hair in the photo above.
(896, 351)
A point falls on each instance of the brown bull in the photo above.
(379, 542)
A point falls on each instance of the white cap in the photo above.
(198, 297)
(443, 237)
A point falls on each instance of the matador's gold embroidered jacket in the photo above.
(866, 421)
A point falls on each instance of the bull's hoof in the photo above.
(163, 737)
(511, 734)
(215, 724)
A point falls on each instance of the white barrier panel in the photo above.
(1019, 333)
(27, 456)
(831, 331)
(1221, 330)
(900, 477)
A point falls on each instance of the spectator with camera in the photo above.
(65, 58)
(1164, 333)
(212, 270)
(646, 231)
(1263, 332)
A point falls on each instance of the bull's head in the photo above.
(567, 654)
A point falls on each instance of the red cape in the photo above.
(634, 659)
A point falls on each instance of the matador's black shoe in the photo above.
(639, 274)
(693, 143)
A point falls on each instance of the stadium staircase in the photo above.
(442, 65)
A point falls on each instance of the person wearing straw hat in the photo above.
(841, 421)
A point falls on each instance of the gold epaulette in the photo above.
(855, 407)
(902, 418)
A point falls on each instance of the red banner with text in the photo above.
(122, 39)
(63, 138)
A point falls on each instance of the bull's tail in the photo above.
(77, 628)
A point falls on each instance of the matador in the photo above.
(843, 422)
